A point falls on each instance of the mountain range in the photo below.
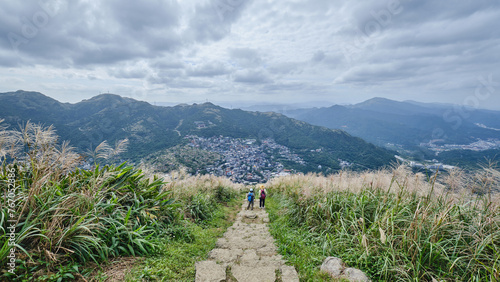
(382, 121)
(452, 134)
(153, 128)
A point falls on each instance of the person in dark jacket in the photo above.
(250, 197)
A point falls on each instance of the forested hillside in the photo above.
(152, 128)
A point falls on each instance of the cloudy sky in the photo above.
(236, 52)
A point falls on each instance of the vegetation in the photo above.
(180, 157)
(381, 121)
(67, 217)
(393, 225)
(150, 129)
(176, 255)
(469, 159)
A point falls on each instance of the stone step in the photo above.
(289, 274)
(209, 271)
(225, 255)
(246, 253)
(253, 274)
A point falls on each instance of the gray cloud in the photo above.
(190, 83)
(283, 87)
(222, 49)
(251, 77)
(128, 73)
(318, 56)
(213, 19)
(140, 17)
(245, 57)
(79, 33)
(166, 76)
(167, 63)
(285, 68)
(209, 70)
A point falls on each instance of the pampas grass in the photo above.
(395, 224)
(68, 215)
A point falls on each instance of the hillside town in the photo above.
(246, 160)
(431, 165)
(479, 145)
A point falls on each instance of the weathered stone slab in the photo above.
(252, 274)
(333, 266)
(337, 269)
(249, 258)
(355, 275)
(249, 250)
(289, 274)
(209, 271)
(268, 250)
(225, 255)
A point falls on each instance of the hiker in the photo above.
(250, 197)
(262, 197)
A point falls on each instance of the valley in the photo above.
(153, 129)
(449, 133)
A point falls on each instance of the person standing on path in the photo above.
(262, 197)
(251, 198)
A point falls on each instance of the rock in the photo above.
(209, 271)
(267, 250)
(249, 258)
(251, 216)
(336, 268)
(246, 252)
(274, 261)
(355, 275)
(225, 255)
(221, 243)
(252, 274)
(289, 274)
(333, 266)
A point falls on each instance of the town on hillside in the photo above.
(246, 160)
(479, 145)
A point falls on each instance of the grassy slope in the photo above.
(298, 246)
(70, 218)
(177, 256)
(414, 231)
(393, 225)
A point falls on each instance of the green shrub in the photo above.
(180, 232)
(224, 194)
(201, 207)
(68, 216)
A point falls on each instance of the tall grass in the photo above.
(68, 216)
(181, 183)
(395, 225)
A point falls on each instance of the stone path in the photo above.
(246, 253)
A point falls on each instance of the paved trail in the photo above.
(246, 253)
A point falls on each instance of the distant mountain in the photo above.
(383, 105)
(152, 128)
(383, 121)
(430, 105)
(280, 108)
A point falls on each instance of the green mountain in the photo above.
(409, 124)
(152, 128)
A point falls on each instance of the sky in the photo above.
(244, 52)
